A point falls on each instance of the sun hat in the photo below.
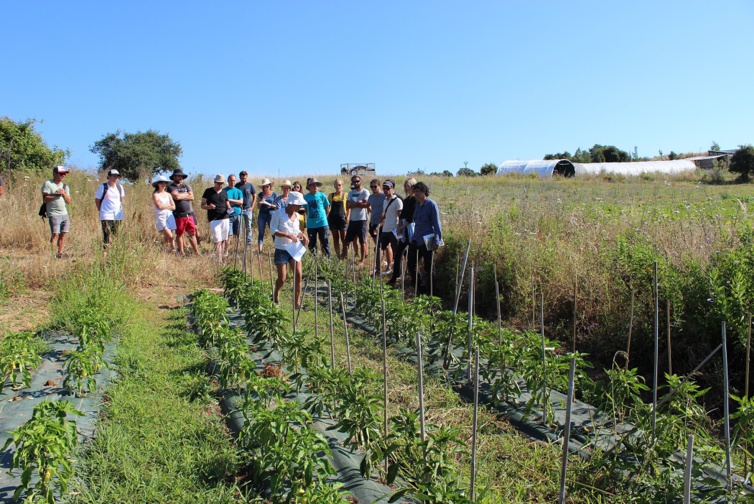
(313, 181)
(113, 172)
(219, 179)
(158, 179)
(286, 183)
(266, 181)
(296, 198)
(178, 173)
(389, 184)
(60, 170)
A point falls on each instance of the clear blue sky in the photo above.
(297, 87)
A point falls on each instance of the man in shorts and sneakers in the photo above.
(391, 216)
(109, 200)
(56, 196)
(215, 202)
(184, 210)
(357, 225)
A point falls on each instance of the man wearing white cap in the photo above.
(109, 200)
(285, 229)
(56, 196)
(215, 202)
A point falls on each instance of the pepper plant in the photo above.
(19, 353)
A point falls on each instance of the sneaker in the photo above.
(276, 301)
(387, 272)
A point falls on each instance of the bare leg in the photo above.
(281, 280)
(61, 243)
(298, 275)
(389, 256)
(192, 241)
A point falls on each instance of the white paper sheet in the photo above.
(296, 249)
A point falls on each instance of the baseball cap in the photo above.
(61, 170)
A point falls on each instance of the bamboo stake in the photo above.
(245, 246)
(630, 329)
(533, 304)
(316, 300)
(377, 259)
(469, 337)
(726, 412)
(656, 357)
(575, 307)
(416, 274)
(459, 284)
(332, 334)
(348, 341)
(670, 348)
(431, 272)
(261, 271)
(272, 284)
(420, 367)
(293, 298)
(688, 469)
(567, 436)
(306, 287)
(544, 357)
(384, 379)
(748, 354)
(403, 275)
(475, 425)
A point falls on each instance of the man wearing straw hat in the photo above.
(286, 231)
(317, 210)
(215, 202)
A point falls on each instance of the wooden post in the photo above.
(656, 357)
(748, 354)
(384, 379)
(688, 469)
(293, 299)
(726, 412)
(431, 272)
(475, 425)
(567, 434)
(332, 333)
(416, 274)
(420, 367)
(403, 275)
(348, 342)
(272, 284)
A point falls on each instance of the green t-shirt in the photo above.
(56, 206)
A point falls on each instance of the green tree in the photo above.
(558, 155)
(715, 146)
(137, 155)
(466, 172)
(608, 154)
(23, 149)
(488, 169)
(742, 162)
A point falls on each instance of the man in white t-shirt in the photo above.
(358, 205)
(391, 214)
(109, 200)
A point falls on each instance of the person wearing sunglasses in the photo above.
(376, 201)
(358, 206)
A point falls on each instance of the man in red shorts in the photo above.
(184, 211)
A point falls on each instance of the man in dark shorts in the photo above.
(391, 216)
(184, 211)
(376, 201)
(357, 225)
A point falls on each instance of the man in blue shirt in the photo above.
(317, 209)
(235, 198)
(427, 235)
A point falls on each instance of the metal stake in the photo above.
(475, 425)
(748, 354)
(332, 334)
(670, 348)
(459, 284)
(470, 337)
(726, 412)
(656, 357)
(567, 436)
(544, 357)
(575, 305)
(421, 390)
(688, 469)
(348, 342)
(384, 378)
(630, 329)
(316, 300)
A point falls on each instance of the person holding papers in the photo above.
(290, 243)
(427, 234)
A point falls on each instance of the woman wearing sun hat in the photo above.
(266, 205)
(285, 230)
(163, 210)
(282, 200)
(317, 209)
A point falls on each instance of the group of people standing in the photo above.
(394, 223)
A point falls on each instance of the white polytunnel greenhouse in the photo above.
(550, 167)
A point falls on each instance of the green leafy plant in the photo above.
(45, 444)
(19, 353)
(81, 365)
